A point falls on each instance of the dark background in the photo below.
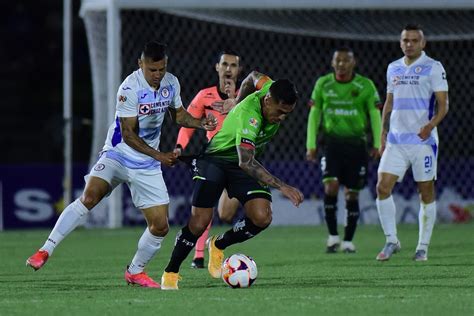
(31, 54)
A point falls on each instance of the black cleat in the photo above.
(197, 263)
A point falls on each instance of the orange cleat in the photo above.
(141, 279)
(38, 259)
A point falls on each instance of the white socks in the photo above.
(69, 219)
(387, 212)
(148, 246)
(426, 221)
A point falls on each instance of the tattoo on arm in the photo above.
(251, 166)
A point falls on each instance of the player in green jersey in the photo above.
(229, 162)
(343, 102)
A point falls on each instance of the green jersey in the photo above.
(344, 109)
(243, 126)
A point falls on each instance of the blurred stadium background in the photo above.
(283, 39)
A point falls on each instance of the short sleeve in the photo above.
(389, 80)
(127, 101)
(177, 94)
(438, 78)
(247, 129)
(374, 98)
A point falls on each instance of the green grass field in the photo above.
(296, 277)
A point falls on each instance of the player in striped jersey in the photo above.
(415, 84)
(131, 155)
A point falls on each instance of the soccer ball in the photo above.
(239, 271)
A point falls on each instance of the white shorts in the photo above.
(396, 159)
(147, 186)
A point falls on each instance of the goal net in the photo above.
(295, 43)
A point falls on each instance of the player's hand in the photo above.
(224, 106)
(178, 151)
(209, 123)
(295, 195)
(168, 159)
(374, 153)
(229, 88)
(425, 131)
(311, 155)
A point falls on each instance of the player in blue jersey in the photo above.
(415, 84)
(131, 155)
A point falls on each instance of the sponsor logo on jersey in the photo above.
(165, 92)
(126, 88)
(355, 93)
(418, 69)
(122, 98)
(144, 109)
(99, 167)
(143, 96)
(153, 108)
(253, 122)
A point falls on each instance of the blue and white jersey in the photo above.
(136, 98)
(413, 90)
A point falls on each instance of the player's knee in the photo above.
(262, 218)
(383, 190)
(159, 228)
(331, 188)
(226, 217)
(90, 199)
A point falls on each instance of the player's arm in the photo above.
(196, 109)
(183, 118)
(373, 104)
(251, 166)
(314, 121)
(386, 112)
(129, 130)
(441, 111)
(253, 82)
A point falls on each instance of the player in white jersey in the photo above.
(131, 156)
(415, 83)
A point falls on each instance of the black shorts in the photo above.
(345, 162)
(211, 175)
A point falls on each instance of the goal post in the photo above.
(281, 37)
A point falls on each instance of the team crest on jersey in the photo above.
(355, 93)
(253, 122)
(165, 93)
(122, 98)
(144, 109)
(418, 69)
(99, 167)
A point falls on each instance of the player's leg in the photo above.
(208, 186)
(426, 219)
(227, 207)
(150, 195)
(354, 178)
(148, 245)
(424, 172)
(392, 167)
(198, 259)
(353, 213)
(331, 189)
(98, 185)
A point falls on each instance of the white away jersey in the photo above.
(413, 90)
(136, 98)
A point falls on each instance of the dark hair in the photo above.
(343, 49)
(283, 90)
(228, 52)
(413, 27)
(154, 50)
